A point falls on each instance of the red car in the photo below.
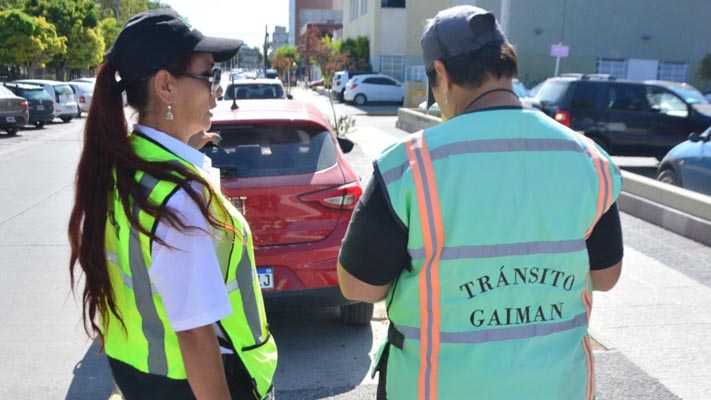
(283, 167)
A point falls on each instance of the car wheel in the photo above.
(66, 119)
(357, 314)
(668, 176)
(79, 114)
(11, 131)
(39, 124)
(341, 96)
(360, 99)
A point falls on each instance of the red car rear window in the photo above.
(248, 151)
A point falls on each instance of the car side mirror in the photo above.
(694, 136)
(346, 145)
(290, 97)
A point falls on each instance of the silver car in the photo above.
(83, 91)
(14, 111)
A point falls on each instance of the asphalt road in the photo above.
(46, 355)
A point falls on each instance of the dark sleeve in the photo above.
(375, 247)
(605, 247)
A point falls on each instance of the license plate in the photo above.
(40, 107)
(10, 119)
(266, 278)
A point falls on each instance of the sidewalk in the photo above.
(660, 320)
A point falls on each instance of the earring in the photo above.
(169, 115)
(446, 100)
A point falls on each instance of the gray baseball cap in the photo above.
(456, 31)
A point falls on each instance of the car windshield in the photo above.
(87, 88)
(551, 91)
(34, 94)
(520, 89)
(689, 94)
(250, 151)
(254, 91)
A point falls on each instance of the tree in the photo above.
(312, 48)
(110, 30)
(29, 41)
(7, 5)
(71, 18)
(704, 72)
(359, 49)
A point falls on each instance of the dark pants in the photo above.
(137, 385)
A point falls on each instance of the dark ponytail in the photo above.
(107, 148)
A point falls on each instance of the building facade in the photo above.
(280, 37)
(314, 11)
(633, 39)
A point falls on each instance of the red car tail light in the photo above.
(24, 105)
(563, 117)
(342, 197)
(354, 85)
(82, 99)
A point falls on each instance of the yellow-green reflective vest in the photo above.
(498, 205)
(148, 343)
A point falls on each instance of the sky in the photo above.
(237, 19)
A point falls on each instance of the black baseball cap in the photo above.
(151, 40)
(456, 31)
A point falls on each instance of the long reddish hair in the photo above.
(107, 149)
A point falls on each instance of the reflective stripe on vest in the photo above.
(428, 205)
(249, 299)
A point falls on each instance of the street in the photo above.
(48, 356)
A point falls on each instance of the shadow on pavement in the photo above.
(318, 354)
(92, 377)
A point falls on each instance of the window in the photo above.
(415, 73)
(392, 3)
(664, 102)
(671, 71)
(551, 91)
(392, 66)
(247, 151)
(612, 67)
(627, 98)
(584, 96)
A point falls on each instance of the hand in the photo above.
(200, 139)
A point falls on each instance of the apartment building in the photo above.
(633, 39)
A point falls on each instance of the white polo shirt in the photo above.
(187, 276)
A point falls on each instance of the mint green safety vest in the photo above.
(148, 342)
(498, 205)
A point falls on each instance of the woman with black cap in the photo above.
(170, 286)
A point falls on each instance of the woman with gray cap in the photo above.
(169, 282)
(485, 235)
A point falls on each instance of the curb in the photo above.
(676, 209)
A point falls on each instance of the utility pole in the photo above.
(266, 48)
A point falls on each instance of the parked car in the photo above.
(362, 89)
(14, 112)
(65, 106)
(626, 117)
(255, 89)
(40, 104)
(283, 167)
(688, 164)
(523, 95)
(83, 91)
(85, 80)
(338, 84)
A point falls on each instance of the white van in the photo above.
(65, 105)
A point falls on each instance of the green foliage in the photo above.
(11, 4)
(85, 47)
(124, 9)
(287, 51)
(359, 49)
(109, 29)
(27, 40)
(704, 72)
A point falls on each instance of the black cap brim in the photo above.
(221, 48)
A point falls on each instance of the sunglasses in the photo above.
(213, 78)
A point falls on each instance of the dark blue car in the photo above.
(688, 164)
